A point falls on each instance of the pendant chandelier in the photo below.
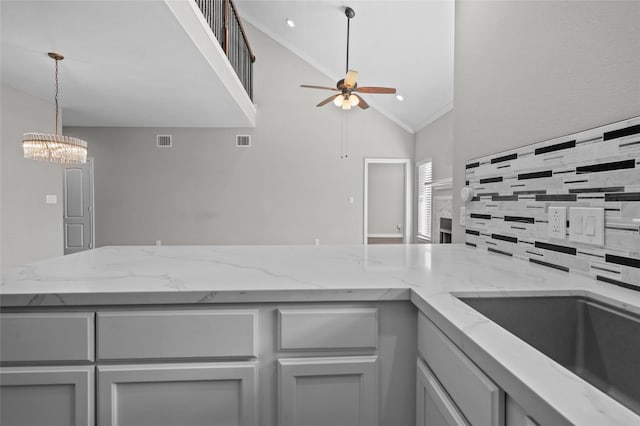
(54, 148)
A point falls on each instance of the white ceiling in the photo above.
(402, 44)
(127, 63)
(131, 63)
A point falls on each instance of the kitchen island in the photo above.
(363, 303)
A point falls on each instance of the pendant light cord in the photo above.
(56, 98)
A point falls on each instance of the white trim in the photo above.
(406, 234)
(385, 235)
(191, 19)
(92, 201)
(445, 109)
(442, 184)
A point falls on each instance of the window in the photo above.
(424, 200)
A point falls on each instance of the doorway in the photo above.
(78, 212)
(387, 201)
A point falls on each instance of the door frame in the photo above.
(406, 229)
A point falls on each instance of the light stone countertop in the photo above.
(424, 274)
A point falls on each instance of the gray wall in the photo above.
(435, 142)
(31, 229)
(386, 199)
(290, 187)
(530, 71)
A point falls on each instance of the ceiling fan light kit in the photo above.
(348, 85)
(54, 148)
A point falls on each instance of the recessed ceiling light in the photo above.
(290, 23)
(399, 97)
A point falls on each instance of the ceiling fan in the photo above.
(348, 87)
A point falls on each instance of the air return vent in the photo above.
(164, 141)
(243, 140)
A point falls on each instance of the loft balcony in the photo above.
(132, 64)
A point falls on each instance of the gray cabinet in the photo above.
(516, 415)
(337, 391)
(267, 363)
(477, 397)
(47, 396)
(193, 394)
(332, 390)
(148, 391)
(434, 407)
(172, 334)
(38, 386)
(47, 337)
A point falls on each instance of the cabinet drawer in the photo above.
(47, 337)
(324, 329)
(177, 334)
(479, 399)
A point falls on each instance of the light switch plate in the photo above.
(557, 223)
(51, 199)
(587, 225)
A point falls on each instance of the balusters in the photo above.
(222, 17)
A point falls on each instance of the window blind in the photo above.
(424, 200)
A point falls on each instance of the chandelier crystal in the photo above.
(54, 148)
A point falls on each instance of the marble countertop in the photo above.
(428, 275)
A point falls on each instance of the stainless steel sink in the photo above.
(598, 342)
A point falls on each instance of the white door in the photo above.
(78, 207)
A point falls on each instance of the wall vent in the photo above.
(164, 141)
(243, 140)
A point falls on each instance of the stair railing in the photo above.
(222, 16)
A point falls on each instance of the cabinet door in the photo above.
(336, 391)
(516, 416)
(433, 404)
(47, 396)
(475, 394)
(194, 394)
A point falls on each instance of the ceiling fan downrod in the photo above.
(349, 14)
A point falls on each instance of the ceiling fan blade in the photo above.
(309, 86)
(362, 104)
(326, 101)
(371, 89)
(350, 79)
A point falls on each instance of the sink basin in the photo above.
(598, 342)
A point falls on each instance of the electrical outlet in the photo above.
(557, 223)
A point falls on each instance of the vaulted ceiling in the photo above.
(403, 44)
(134, 63)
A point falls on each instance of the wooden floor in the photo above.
(384, 240)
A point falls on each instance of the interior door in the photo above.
(78, 207)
